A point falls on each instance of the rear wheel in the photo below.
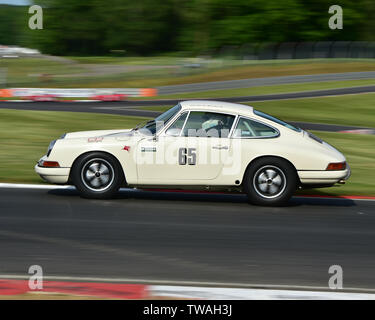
(270, 181)
(97, 175)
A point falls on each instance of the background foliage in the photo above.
(97, 27)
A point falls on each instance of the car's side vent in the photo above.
(314, 137)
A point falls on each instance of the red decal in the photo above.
(104, 290)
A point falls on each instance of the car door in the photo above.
(193, 149)
(152, 154)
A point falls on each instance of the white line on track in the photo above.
(78, 101)
(219, 293)
(68, 187)
(129, 108)
(18, 100)
(33, 186)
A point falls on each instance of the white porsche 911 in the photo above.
(209, 145)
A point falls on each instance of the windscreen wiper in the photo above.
(139, 124)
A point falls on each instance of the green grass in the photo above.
(270, 89)
(36, 72)
(154, 60)
(354, 110)
(177, 58)
(222, 70)
(25, 135)
(79, 72)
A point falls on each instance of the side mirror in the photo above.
(154, 138)
(173, 132)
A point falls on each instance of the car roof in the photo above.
(218, 106)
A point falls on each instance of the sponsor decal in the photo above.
(148, 149)
(95, 139)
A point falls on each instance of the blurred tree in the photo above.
(140, 27)
(11, 24)
(367, 27)
(71, 27)
(96, 27)
(195, 20)
(316, 13)
(255, 21)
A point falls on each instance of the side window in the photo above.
(248, 128)
(175, 129)
(208, 124)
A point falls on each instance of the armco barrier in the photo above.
(5, 93)
(74, 93)
(298, 50)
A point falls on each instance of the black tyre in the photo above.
(97, 175)
(270, 181)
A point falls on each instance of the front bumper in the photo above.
(52, 175)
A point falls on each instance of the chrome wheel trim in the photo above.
(269, 182)
(97, 174)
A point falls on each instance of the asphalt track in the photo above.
(178, 237)
(256, 82)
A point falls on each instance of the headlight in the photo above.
(50, 147)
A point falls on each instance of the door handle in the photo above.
(220, 147)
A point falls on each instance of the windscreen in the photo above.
(159, 122)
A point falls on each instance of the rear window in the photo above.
(247, 128)
(278, 121)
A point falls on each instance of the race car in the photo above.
(208, 145)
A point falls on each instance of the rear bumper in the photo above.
(53, 175)
(323, 177)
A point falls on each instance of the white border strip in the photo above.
(210, 293)
(17, 100)
(45, 186)
(68, 187)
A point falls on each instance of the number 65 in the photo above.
(187, 156)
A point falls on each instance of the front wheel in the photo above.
(97, 175)
(270, 181)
